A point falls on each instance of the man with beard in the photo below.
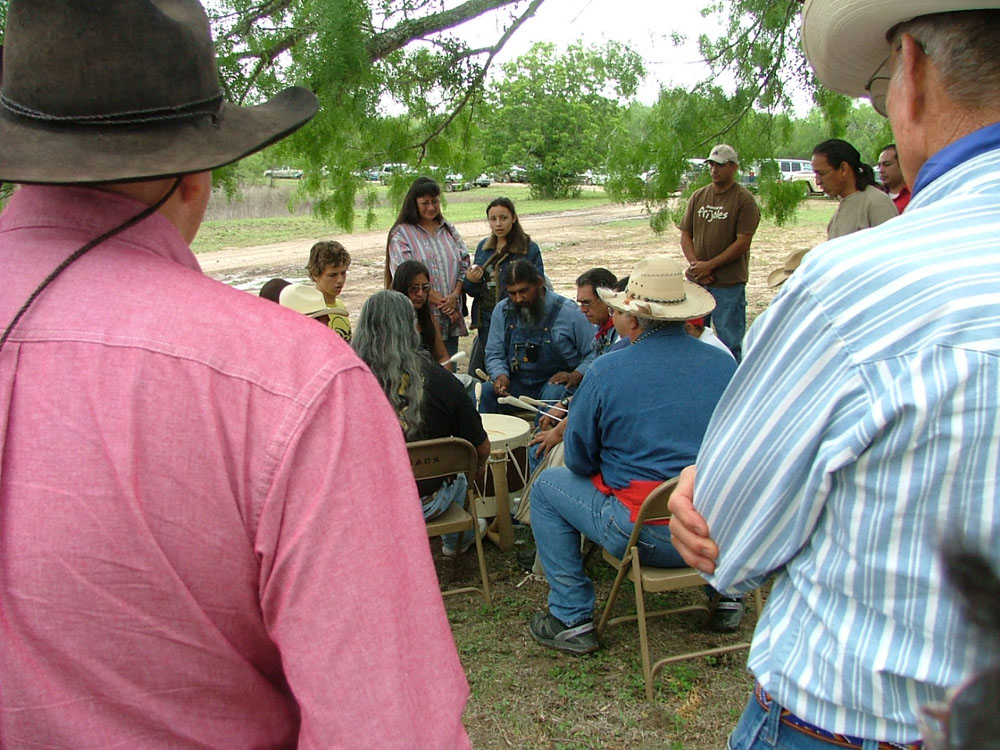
(539, 344)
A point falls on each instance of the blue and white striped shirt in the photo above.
(861, 430)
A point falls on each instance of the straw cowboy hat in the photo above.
(123, 90)
(845, 42)
(779, 276)
(304, 299)
(657, 289)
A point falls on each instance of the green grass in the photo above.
(458, 207)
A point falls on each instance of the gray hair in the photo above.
(962, 45)
(649, 324)
(386, 339)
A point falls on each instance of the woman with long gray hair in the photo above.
(428, 400)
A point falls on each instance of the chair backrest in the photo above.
(442, 457)
(653, 508)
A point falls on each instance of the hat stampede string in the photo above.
(80, 252)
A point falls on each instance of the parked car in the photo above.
(484, 180)
(796, 170)
(455, 181)
(590, 177)
(515, 173)
(387, 171)
(284, 173)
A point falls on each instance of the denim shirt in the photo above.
(641, 412)
(565, 345)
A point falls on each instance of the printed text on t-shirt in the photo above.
(711, 213)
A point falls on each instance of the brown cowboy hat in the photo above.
(123, 90)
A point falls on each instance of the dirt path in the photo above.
(613, 236)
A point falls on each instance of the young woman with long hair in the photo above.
(484, 279)
(413, 279)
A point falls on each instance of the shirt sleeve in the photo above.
(535, 258)
(786, 423)
(582, 439)
(880, 211)
(687, 222)
(469, 425)
(399, 249)
(749, 218)
(461, 250)
(348, 589)
(581, 334)
(474, 288)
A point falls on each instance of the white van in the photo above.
(798, 170)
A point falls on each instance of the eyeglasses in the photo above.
(878, 87)
(585, 303)
(966, 719)
(821, 175)
(417, 288)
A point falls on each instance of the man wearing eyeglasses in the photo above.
(861, 429)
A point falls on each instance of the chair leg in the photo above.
(613, 596)
(640, 612)
(481, 555)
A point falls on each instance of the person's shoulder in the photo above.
(874, 195)
(699, 194)
(744, 196)
(247, 336)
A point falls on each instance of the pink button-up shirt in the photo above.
(209, 532)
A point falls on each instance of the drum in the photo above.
(508, 471)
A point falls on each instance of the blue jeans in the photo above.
(565, 505)
(451, 345)
(452, 491)
(758, 729)
(730, 316)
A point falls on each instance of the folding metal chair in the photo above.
(445, 457)
(648, 579)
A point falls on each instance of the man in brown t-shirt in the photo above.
(716, 231)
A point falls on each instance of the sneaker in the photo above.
(726, 615)
(451, 552)
(577, 640)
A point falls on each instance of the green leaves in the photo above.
(555, 113)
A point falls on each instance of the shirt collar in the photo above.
(959, 152)
(604, 328)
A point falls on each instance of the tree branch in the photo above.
(384, 44)
(475, 83)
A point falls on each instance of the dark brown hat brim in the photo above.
(56, 154)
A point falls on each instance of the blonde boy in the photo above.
(328, 264)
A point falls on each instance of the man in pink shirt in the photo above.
(187, 551)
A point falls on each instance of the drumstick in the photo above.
(551, 404)
(481, 374)
(456, 357)
(479, 392)
(515, 401)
